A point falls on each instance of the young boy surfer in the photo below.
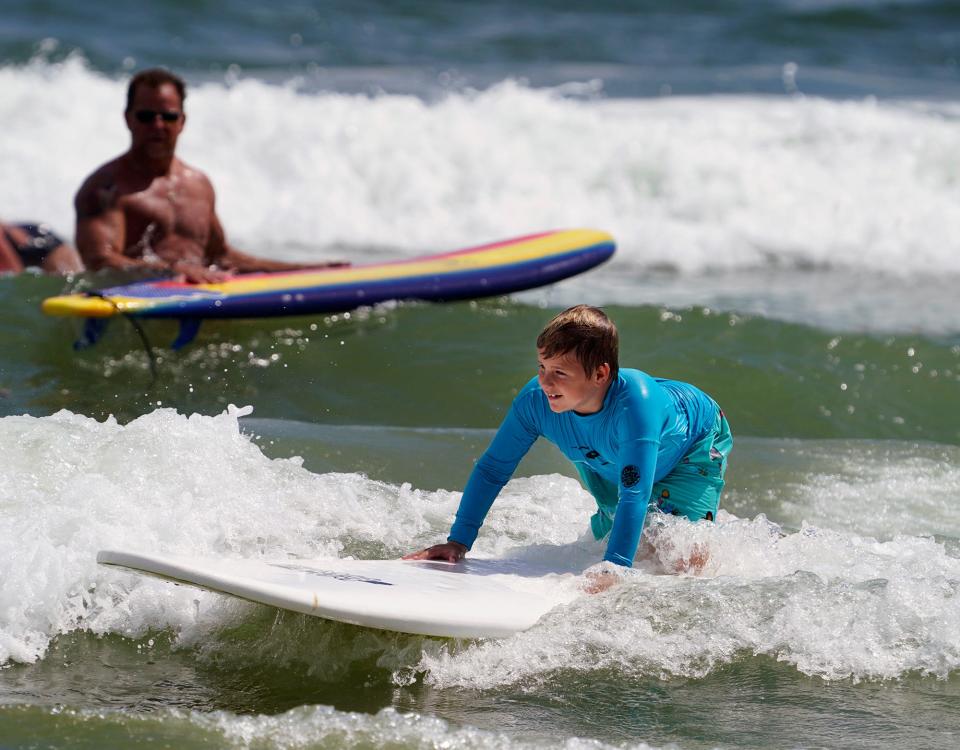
(634, 439)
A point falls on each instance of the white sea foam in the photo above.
(191, 485)
(307, 726)
(829, 602)
(881, 489)
(686, 182)
(319, 727)
(162, 482)
(833, 605)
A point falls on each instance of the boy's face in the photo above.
(568, 387)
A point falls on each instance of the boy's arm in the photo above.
(492, 471)
(639, 428)
(637, 467)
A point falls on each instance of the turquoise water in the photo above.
(781, 179)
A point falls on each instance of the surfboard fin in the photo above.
(188, 332)
(93, 330)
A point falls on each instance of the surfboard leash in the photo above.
(93, 336)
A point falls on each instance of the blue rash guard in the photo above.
(645, 427)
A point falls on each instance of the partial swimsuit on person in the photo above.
(40, 243)
(26, 245)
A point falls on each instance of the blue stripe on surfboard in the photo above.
(428, 287)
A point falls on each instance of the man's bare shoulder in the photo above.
(104, 175)
(97, 192)
(195, 178)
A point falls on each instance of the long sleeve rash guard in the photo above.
(645, 427)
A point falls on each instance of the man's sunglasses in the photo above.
(147, 116)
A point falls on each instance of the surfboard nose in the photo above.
(78, 305)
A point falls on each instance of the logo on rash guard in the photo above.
(592, 455)
(629, 476)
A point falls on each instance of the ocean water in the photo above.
(783, 183)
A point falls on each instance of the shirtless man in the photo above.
(148, 209)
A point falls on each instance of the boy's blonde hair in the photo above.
(588, 333)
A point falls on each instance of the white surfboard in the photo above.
(470, 599)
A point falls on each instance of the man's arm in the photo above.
(225, 256)
(101, 230)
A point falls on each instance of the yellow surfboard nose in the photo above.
(78, 305)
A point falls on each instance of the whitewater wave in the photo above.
(686, 183)
(832, 603)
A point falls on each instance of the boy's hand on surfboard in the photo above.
(449, 551)
(599, 580)
(600, 577)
